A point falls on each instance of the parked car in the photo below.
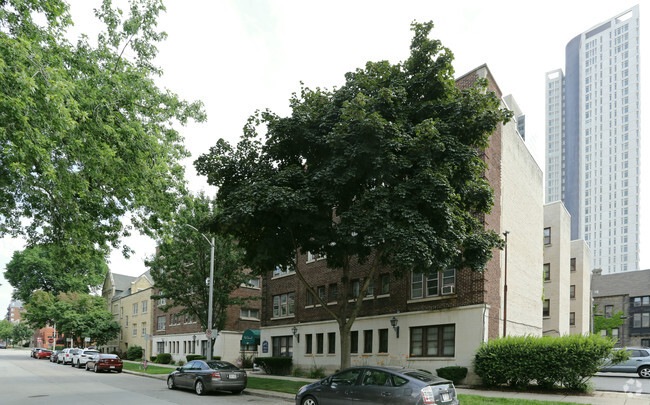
(66, 355)
(104, 362)
(639, 362)
(203, 376)
(379, 385)
(3, 345)
(55, 355)
(80, 358)
(43, 354)
(34, 351)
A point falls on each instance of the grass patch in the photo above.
(478, 400)
(273, 384)
(151, 369)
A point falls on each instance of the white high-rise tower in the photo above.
(592, 140)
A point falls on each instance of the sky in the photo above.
(238, 56)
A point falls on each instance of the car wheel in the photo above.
(309, 400)
(119, 371)
(86, 367)
(96, 369)
(199, 388)
(236, 392)
(170, 382)
(644, 372)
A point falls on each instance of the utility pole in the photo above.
(505, 285)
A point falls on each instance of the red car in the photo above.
(43, 354)
(104, 362)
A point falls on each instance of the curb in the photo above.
(247, 391)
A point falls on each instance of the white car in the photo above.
(80, 358)
(66, 355)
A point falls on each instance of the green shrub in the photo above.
(275, 365)
(181, 363)
(164, 358)
(567, 361)
(297, 371)
(246, 361)
(134, 353)
(153, 358)
(173, 362)
(191, 357)
(316, 372)
(453, 373)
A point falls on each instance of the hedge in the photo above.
(453, 373)
(275, 365)
(163, 358)
(568, 361)
(134, 353)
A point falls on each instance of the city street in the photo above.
(27, 380)
(621, 382)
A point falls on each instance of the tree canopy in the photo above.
(181, 267)
(76, 315)
(385, 170)
(41, 267)
(87, 136)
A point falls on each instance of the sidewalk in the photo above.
(595, 398)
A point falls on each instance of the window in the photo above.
(308, 343)
(331, 342)
(572, 318)
(283, 305)
(433, 341)
(385, 283)
(144, 329)
(645, 342)
(547, 236)
(609, 311)
(160, 347)
(383, 340)
(333, 292)
(311, 300)
(321, 293)
(253, 283)
(285, 269)
(355, 288)
(162, 301)
(249, 313)
(572, 291)
(282, 346)
(135, 329)
(145, 306)
(354, 341)
(319, 343)
(135, 309)
(573, 264)
(547, 308)
(428, 285)
(547, 271)
(162, 322)
(312, 257)
(367, 341)
(371, 289)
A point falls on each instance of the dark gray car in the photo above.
(203, 376)
(379, 385)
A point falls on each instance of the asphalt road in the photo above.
(24, 380)
(621, 382)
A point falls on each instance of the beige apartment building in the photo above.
(566, 272)
(129, 300)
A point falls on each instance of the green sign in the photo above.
(251, 337)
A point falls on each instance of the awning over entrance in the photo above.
(250, 337)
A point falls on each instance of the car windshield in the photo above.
(221, 365)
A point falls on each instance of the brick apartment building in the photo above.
(181, 335)
(418, 322)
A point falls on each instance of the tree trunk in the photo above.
(344, 333)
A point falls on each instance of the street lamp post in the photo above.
(209, 331)
(505, 285)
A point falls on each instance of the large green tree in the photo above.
(181, 267)
(87, 136)
(385, 170)
(76, 315)
(21, 332)
(41, 267)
